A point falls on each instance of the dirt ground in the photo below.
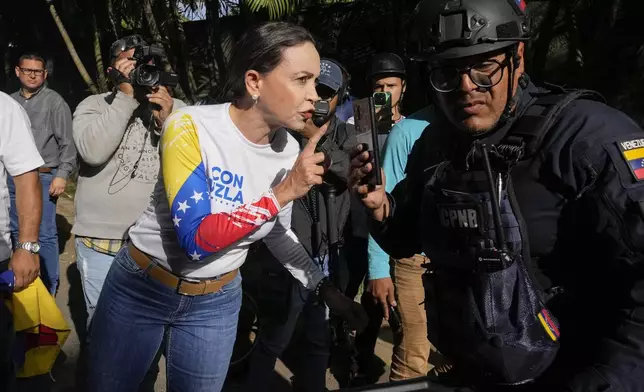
(71, 303)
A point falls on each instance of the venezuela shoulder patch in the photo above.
(633, 152)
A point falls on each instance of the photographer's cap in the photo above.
(125, 43)
(330, 75)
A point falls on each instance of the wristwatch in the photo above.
(32, 247)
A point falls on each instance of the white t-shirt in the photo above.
(18, 155)
(214, 199)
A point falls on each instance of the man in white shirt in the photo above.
(20, 158)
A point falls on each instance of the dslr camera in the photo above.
(146, 74)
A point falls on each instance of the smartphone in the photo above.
(367, 133)
(381, 99)
(394, 319)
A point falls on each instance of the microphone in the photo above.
(322, 113)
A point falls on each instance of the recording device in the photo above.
(322, 112)
(394, 319)
(381, 99)
(149, 75)
(367, 133)
(384, 112)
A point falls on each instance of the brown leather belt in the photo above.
(45, 169)
(183, 286)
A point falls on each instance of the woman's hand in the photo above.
(307, 172)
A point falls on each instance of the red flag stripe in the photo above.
(639, 173)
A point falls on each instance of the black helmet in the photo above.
(387, 64)
(449, 29)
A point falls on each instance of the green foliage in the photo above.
(276, 8)
(587, 43)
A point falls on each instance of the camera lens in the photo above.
(147, 76)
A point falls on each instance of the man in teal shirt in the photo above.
(411, 347)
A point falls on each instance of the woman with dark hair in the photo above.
(229, 175)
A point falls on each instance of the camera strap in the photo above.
(116, 77)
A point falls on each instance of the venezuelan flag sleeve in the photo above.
(201, 232)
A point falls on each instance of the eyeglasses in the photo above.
(485, 74)
(29, 71)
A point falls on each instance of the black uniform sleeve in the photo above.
(398, 234)
(603, 165)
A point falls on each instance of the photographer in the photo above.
(386, 75)
(411, 347)
(310, 224)
(117, 138)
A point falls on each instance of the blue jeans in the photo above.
(134, 314)
(48, 236)
(274, 337)
(93, 267)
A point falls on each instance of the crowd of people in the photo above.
(507, 233)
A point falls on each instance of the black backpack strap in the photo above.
(526, 137)
(530, 130)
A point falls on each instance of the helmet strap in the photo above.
(513, 99)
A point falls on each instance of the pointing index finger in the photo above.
(313, 141)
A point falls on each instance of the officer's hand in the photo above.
(374, 198)
(125, 66)
(25, 267)
(161, 97)
(349, 310)
(382, 291)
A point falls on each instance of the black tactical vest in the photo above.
(484, 308)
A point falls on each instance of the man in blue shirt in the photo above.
(386, 73)
(411, 347)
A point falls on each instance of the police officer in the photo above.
(530, 206)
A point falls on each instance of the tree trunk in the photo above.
(215, 49)
(116, 25)
(98, 56)
(148, 14)
(72, 51)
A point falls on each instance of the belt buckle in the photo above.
(192, 281)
